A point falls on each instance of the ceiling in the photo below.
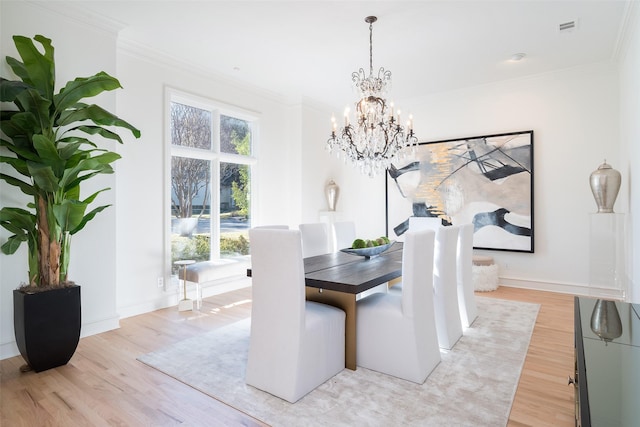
(310, 48)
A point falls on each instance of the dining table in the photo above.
(339, 279)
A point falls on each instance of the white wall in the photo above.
(574, 116)
(361, 198)
(142, 211)
(630, 144)
(93, 262)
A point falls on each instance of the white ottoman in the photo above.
(485, 274)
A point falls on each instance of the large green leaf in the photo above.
(34, 103)
(94, 165)
(12, 244)
(67, 150)
(84, 87)
(43, 176)
(88, 217)
(69, 214)
(18, 68)
(18, 164)
(92, 197)
(99, 130)
(20, 150)
(99, 116)
(9, 89)
(21, 124)
(25, 187)
(48, 154)
(39, 69)
(19, 222)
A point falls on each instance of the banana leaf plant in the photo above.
(47, 138)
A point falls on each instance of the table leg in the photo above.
(346, 302)
(392, 282)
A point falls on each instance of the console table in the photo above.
(607, 363)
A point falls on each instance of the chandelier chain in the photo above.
(370, 48)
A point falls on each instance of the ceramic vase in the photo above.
(332, 191)
(605, 184)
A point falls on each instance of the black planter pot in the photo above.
(47, 326)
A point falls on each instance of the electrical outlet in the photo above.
(161, 282)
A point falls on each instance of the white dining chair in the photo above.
(315, 239)
(344, 233)
(466, 295)
(417, 223)
(445, 281)
(445, 287)
(274, 226)
(396, 333)
(295, 345)
(424, 223)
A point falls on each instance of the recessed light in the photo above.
(517, 57)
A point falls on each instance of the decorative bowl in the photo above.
(368, 252)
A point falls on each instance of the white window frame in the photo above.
(217, 109)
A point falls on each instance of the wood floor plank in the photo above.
(543, 397)
(104, 384)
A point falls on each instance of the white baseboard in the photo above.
(8, 350)
(100, 326)
(171, 297)
(579, 289)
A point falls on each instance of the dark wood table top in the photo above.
(353, 274)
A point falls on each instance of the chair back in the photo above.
(315, 239)
(446, 251)
(417, 274)
(278, 293)
(417, 223)
(466, 297)
(445, 287)
(344, 233)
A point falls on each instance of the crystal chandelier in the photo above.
(376, 138)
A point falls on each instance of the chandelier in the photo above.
(376, 137)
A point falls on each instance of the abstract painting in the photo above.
(483, 180)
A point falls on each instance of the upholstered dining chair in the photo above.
(344, 233)
(466, 296)
(396, 332)
(445, 282)
(315, 239)
(295, 345)
(445, 287)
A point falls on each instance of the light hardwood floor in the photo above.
(104, 384)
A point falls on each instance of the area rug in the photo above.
(473, 385)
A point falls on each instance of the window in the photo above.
(211, 148)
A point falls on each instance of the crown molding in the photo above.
(73, 11)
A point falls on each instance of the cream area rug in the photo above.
(473, 385)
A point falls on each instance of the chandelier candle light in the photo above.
(376, 138)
